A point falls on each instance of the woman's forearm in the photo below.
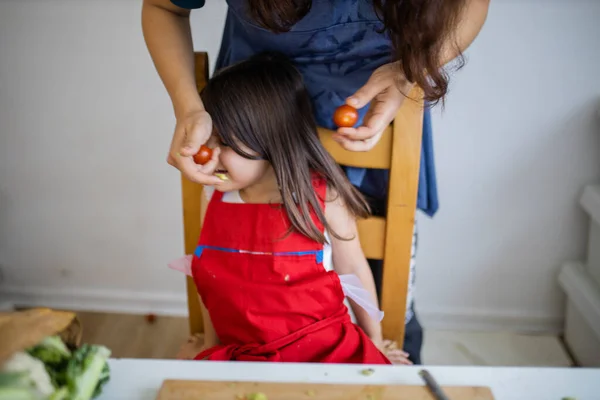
(470, 24)
(168, 37)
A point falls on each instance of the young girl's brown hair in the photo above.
(263, 104)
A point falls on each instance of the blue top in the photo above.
(336, 47)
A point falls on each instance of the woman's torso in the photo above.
(336, 47)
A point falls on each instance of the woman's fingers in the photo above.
(378, 81)
(196, 173)
(360, 133)
(197, 130)
(357, 145)
(382, 92)
(190, 133)
(211, 165)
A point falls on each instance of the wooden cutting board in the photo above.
(210, 390)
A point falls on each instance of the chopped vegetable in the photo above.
(222, 177)
(367, 372)
(17, 386)
(51, 351)
(257, 396)
(310, 393)
(87, 372)
(50, 371)
(26, 372)
(60, 394)
(18, 393)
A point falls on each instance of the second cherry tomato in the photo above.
(204, 155)
(345, 116)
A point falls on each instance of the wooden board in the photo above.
(210, 390)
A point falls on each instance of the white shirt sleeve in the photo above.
(208, 192)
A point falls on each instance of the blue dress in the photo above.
(336, 47)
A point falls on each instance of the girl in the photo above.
(280, 233)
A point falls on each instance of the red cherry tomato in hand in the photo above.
(204, 155)
(345, 116)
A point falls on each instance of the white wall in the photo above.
(87, 201)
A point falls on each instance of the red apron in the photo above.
(268, 295)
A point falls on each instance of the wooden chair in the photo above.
(399, 150)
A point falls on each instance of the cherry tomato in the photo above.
(150, 318)
(345, 116)
(204, 155)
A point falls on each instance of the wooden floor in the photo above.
(132, 336)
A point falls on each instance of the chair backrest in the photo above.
(390, 238)
(399, 151)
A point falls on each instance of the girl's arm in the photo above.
(348, 258)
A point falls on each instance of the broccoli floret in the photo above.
(60, 394)
(51, 351)
(30, 372)
(58, 374)
(87, 371)
(104, 377)
(18, 393)
(55, 355)
(19, 378)
(17, 386)
(51, 371)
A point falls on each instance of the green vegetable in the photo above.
(87, 372)
(51, 351)
(257, 396)
(55, 355)
(50, 371)
(17, 386)
(57, 374)
(367, 372)
(18, 393)
(60, 394)
(20, 378)
(25, 371)
(104, 377)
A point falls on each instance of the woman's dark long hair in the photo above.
(419, 31)
(262, 103)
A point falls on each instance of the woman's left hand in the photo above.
(386, 89)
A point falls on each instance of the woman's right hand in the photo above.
(192, 130)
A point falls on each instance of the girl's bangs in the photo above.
(230, 137)
(226, 120)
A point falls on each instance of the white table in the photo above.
(133, 379)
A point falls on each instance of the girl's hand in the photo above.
(392, 352)
(191, 131)
(386, 89)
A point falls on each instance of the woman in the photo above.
(360, 52)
